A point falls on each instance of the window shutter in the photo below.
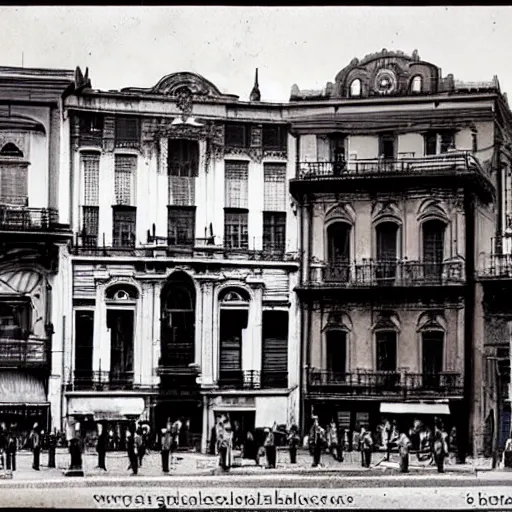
(91, 178)
(14, 184)
(182, 191)
(236, 184)
(275, 193)
(124, 173)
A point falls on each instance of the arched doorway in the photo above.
(179, 392)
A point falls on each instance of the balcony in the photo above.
(400, 385)
(395, 273)
(29, 220)
(496, 266)
(379, 172)
(85, 380)
(252, 379)
(21, 353)
(204, 248)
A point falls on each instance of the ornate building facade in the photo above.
(184, 259)
(34, 231)
(396, 178)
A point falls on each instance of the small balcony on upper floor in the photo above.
(18, 219)
(20, 351)
(369, 273)
(390, 384)
(392, 174)
(252, 379)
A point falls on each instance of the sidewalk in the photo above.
(190, 463)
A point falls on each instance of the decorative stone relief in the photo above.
(19, 139)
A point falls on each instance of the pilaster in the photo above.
(208, 328)
(156, 345)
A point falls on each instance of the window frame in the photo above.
(231, 141)
(273, 221)
(118, 241)
(234, 241)
(173, 214)
(123, 138)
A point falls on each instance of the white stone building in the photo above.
(184, 259)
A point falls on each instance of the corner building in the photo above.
(183, 261)
(395, 182)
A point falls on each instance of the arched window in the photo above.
(178, 322)
(234, 316)
(338, 251)
(121, 306)
(13, 176)
(417, 84)
(433, 232)
(355, 88)
(386, 249)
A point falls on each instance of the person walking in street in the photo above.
(440, 447)
(317, 441)
(366, 448)
(52, 447)
(270, 448)
(10, 451)
(35, 443)
(165, 448)
(404, 446)
(131, 448)
(101, 447)
(293, 443)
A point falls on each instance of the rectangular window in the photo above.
(90, 227)
(91, 125)
(236, 135)
(124, 223)
(183, 157)
(274, 231)
(433, 343)
(14, 184)
(387, 146)
(124, 179)
(274, 137)
(91, 178)
(127, 129)
(236, 235)
(84, 335)
(274, 193)
(274, 364)
(336, 342)
(121, 323)
(386, 351)
(447, 141)
(236, 184)
(233, 324)
(181, 225)
(430, 143)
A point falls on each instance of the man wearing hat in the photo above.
(316, 441)
(166, 442)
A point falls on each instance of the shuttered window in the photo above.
(127, 129)
(14, 183)
(232, 325)
(124, 179)
(90, 227)
(91, 178)
(274, 365)
(236, 184)
(236, 135)
(275, 193)
(181, 225)
(433, 248)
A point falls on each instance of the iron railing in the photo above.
(387, 273)
(252, 379)
(369, 383)
(457, 161)
(23, 218)
(496, 266)
(101, 380)
(22, 352)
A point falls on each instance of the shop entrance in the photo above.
(241, 423)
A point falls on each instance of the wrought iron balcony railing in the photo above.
(252, 379)
(496, 266)
(23, 352)
(370, 273)
(368, 383)
(88, 380)
(23, 218)
(456, 161)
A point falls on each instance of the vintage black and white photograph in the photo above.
(255, 257)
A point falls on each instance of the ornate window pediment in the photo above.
(341, 211)
(338, 320)
(387, 321)
(431, 321)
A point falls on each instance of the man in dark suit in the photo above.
(101, 447)
(35, 440)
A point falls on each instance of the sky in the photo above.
(136, 46)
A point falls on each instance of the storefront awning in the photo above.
(21, 388)
(415, 408)
(106, 408)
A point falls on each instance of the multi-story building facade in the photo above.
(396, 182)
(34, 231)
(184, 259)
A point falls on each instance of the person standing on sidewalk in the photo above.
(165, 448)
(335, 448)
(270, 448)
(131, 448)
(141, 448)
(440, 447)
(317, 441)
(366, 448)
(52, 447)
(101, 447)
(404, 445)
(35, 443)
(10, 451)
(293, 443)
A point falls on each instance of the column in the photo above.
(208, 338)
(143, 342)
(106, 198)
(255, 321)
(198, 355)
(155, 336)
(101, 342)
